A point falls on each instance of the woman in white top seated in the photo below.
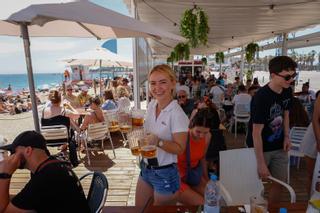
(168, 126)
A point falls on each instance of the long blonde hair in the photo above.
(166, 69)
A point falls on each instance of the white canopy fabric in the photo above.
(93, 58)
(75, 19)
(79, 19)
(232, 23)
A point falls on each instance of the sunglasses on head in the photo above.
(181, 96)
(287, 77)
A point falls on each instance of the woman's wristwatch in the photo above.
(160, 143)
(5, 176)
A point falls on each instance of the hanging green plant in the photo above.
(182, 51)
(204, 60)
(194, 26)
(251, 50)
(220, 59)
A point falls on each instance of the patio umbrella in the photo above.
(75, 19)
(98, 57)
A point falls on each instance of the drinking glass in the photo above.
(125, 122)
(148, 150)
(113, 121)
(137, 117)
(134, 141)
(258, 205)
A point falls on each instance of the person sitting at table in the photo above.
(96, 114)
(123, 102)
(186, 103)
(217, 93)
(242, 97)
(109, 103)
(198, 140)
(70, 98)
(53, 186)
(56, 114)
(83, 97)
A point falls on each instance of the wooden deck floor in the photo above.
(122, 173)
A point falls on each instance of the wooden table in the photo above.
(299, 207)
(295, 208)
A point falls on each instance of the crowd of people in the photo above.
(15, 104)
(183, 122)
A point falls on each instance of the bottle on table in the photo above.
(212, 196)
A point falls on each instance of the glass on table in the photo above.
(258, 205)
(113, 119)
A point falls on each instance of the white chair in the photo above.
(241, 114)
(98, 131)
(55, 135)
(239, 179)
(315, 179)
(296, 136)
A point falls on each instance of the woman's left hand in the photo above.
(152, 139)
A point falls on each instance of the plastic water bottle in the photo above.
(212, 196)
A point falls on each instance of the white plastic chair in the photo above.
(315, 179)
(239, 179)
(55, 135)
(241, 115)
(98, 131)
(296, 136)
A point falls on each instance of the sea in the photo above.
(18, 82)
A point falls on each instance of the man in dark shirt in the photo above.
(269, 123)
(53, 186)
(186, 104)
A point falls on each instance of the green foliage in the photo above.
(249, 74)
(219, 57)
(182, 51)
(204, 60)
(194, 26)
(251, 50)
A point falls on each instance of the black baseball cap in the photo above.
(27, 138)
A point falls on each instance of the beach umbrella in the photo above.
(74, 19)
(98, 57)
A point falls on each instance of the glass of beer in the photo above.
(134, 140)
(137, 118)
(113, 121)
(125, 122)
(148, 150)
(258, 205)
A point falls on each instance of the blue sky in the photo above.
(47, 52)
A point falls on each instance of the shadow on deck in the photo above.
(122, 172)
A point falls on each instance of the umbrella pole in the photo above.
(26, 42)
(100, 85)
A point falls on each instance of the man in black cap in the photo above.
(53, 186)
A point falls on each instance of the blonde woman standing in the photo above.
(168, 126)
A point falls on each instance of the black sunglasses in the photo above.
(287, 77)
(181, 96)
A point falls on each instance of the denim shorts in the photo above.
(164, 181)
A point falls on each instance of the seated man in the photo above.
(53, 186)
(242, 97)
(186, 104)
